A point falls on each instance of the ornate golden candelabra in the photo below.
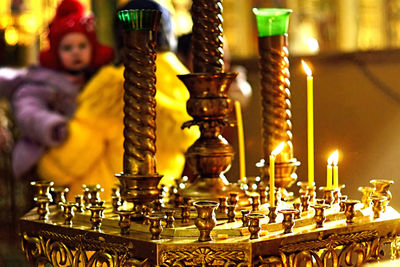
(109, 234)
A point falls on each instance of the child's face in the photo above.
(75, 51)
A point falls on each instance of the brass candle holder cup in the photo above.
(124, 220)
(319, 201)
(79, 203)
(319, 216)
(42, 190)
(305, 202)
(349, 210)
(96, 216)
(60, 195)
(296, 206)
(169, 218)
(288, 220)
(42, 207)
(255, 203)
(327, 195)
(381, 188)
(155, 227)
(262, 192)
(337, 193)
(185, 214)
(366, 194)
(206, 219)
(233, 198)
(342, 198)
(245, 219)
(272, 214)
(92, 193)
(68, 211)
(306, 189)
(222, 204)
(254, 224)
(231, 213)
(378, 205)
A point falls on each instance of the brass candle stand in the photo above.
(136, 233)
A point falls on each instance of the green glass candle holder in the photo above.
(134, 19)
(272, 21)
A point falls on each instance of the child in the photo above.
(44, 98)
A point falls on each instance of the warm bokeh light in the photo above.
(312, 44)
(306, 68)
(5, 21)
(29, 23)
(11, 36)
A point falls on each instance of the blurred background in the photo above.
(351, 45)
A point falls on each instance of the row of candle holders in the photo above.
(226, 207)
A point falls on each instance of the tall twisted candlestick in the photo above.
(275, 93)
(139, 178)
(207, 39)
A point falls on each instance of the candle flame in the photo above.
(334, 158)
(278, 149)
(306, 68)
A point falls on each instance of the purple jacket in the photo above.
(42, 101)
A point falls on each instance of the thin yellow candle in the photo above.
(329, 171)
(336, 169)
(275, 152)
(310, 123)
(239, 125)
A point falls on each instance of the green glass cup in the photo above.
(272, 21)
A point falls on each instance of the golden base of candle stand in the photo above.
(139, 189)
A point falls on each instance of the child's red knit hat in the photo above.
(69, 18)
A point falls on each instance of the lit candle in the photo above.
(275, 152)
(336, 169)
(310, 123)
(242, 161)
(329, 171)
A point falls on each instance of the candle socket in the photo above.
(42, 208)
(319, 201)
(382, 189)
(245, 219)
(262, 192)
(254, 224)
(116, 202)
(378, 206)
(296, 206)
(124, 220)
(349, 210)
(255, 203)
(42, 190)
(231, 213)
(155, 227)
(222, 208)
(185, 214)
(68, 212)
(79, 203)
(96, 216)
(305, 202)
(272, 215)
(205, 220)
(328, 195)
(146, 215)
(342, 198)
(60, 195)
(169, 218)
(288, 220)
(319, 216)
(92, 194)
(233, 198)
(366, 195)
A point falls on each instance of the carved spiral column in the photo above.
(275, 93)
(139, 178)
(207, 38)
